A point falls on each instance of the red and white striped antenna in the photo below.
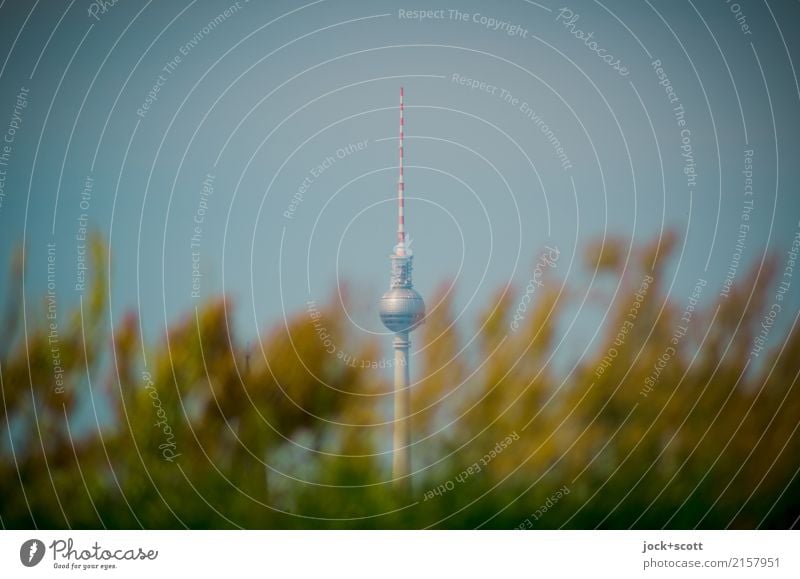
(401, 223)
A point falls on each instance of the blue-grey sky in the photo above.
(528, 124)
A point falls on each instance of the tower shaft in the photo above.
(401, 461)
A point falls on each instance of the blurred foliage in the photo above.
(202, 431)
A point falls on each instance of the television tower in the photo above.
(402, 310)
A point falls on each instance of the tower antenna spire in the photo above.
(401, 218)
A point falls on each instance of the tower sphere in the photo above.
(402, 309)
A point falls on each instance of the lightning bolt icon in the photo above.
(34, 548)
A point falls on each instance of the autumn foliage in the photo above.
(200, 430)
